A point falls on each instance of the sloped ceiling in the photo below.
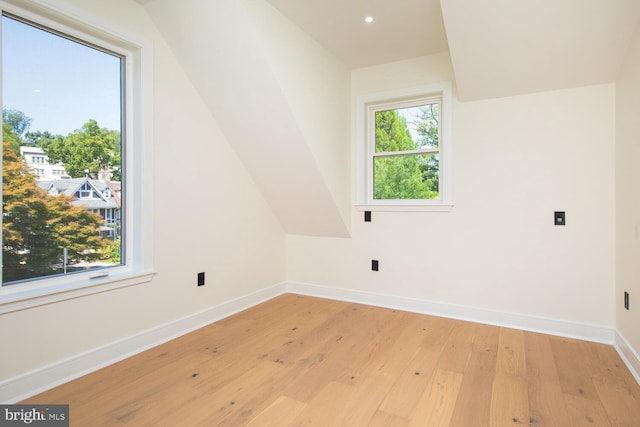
(507, 47)
(220, 50)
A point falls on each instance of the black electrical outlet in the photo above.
(626, 300)
(559, 218)
(200, 279)
(374, 265)
(367, 216)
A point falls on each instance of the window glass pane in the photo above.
(62, 112)
(407, 128)
(406, 177)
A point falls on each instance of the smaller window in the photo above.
(405, 151)
(404, 148)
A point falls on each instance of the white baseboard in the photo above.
(628, 355)
(31, 383)
(557, 327)
(37, 381)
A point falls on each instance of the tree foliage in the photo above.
(18, 121)
(10, 136)
(405, 176)
(427, 123)
(86, 152)
(36, 227)
(39, 138)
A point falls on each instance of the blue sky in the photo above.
(59, 83)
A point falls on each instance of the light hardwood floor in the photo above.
(299, 360)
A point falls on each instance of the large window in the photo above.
(405, 149)
(65, 97)
(74, 95)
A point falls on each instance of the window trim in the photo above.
(137, 161)
(365, 148)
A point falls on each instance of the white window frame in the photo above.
(365, 147)
(137, 162)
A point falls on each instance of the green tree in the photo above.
(18, 121)
(9, 135)
(87, 151)
(36, 226)
(427, 124)
(111, 251)
(39, 138)
(398, 176)
(392, 132)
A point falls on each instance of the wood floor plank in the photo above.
(341, 340)
(408, 388)
(435, 331)
(329, 407)
(509, 395)
(298, 360)
(135, 395)
(474, 399)
(621, 406)
(546, 402)
(607, 367)
(237, 402)
(485, 339)
(390, 335)
(435, 407)
(585, 412)
(280, 413)
(404, 349)
(455, 354)
(573, 371)
(511, 358)
(509, 401)
(384, 419)
(367, 398)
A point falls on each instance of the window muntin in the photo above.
(61, 235)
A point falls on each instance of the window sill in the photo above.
(20, 297)
(397, 207)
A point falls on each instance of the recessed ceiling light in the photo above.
(368, 19)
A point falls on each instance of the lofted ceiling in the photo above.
(497, 47)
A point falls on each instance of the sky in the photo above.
(410, 114)
(59, 83)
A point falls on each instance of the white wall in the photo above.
(516, 161)
(317, 87)
(236, 53)
(209, 216)
(628, 196)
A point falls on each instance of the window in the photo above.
(91, 118)
(61, 122)
(86, 192)
(404, 149)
